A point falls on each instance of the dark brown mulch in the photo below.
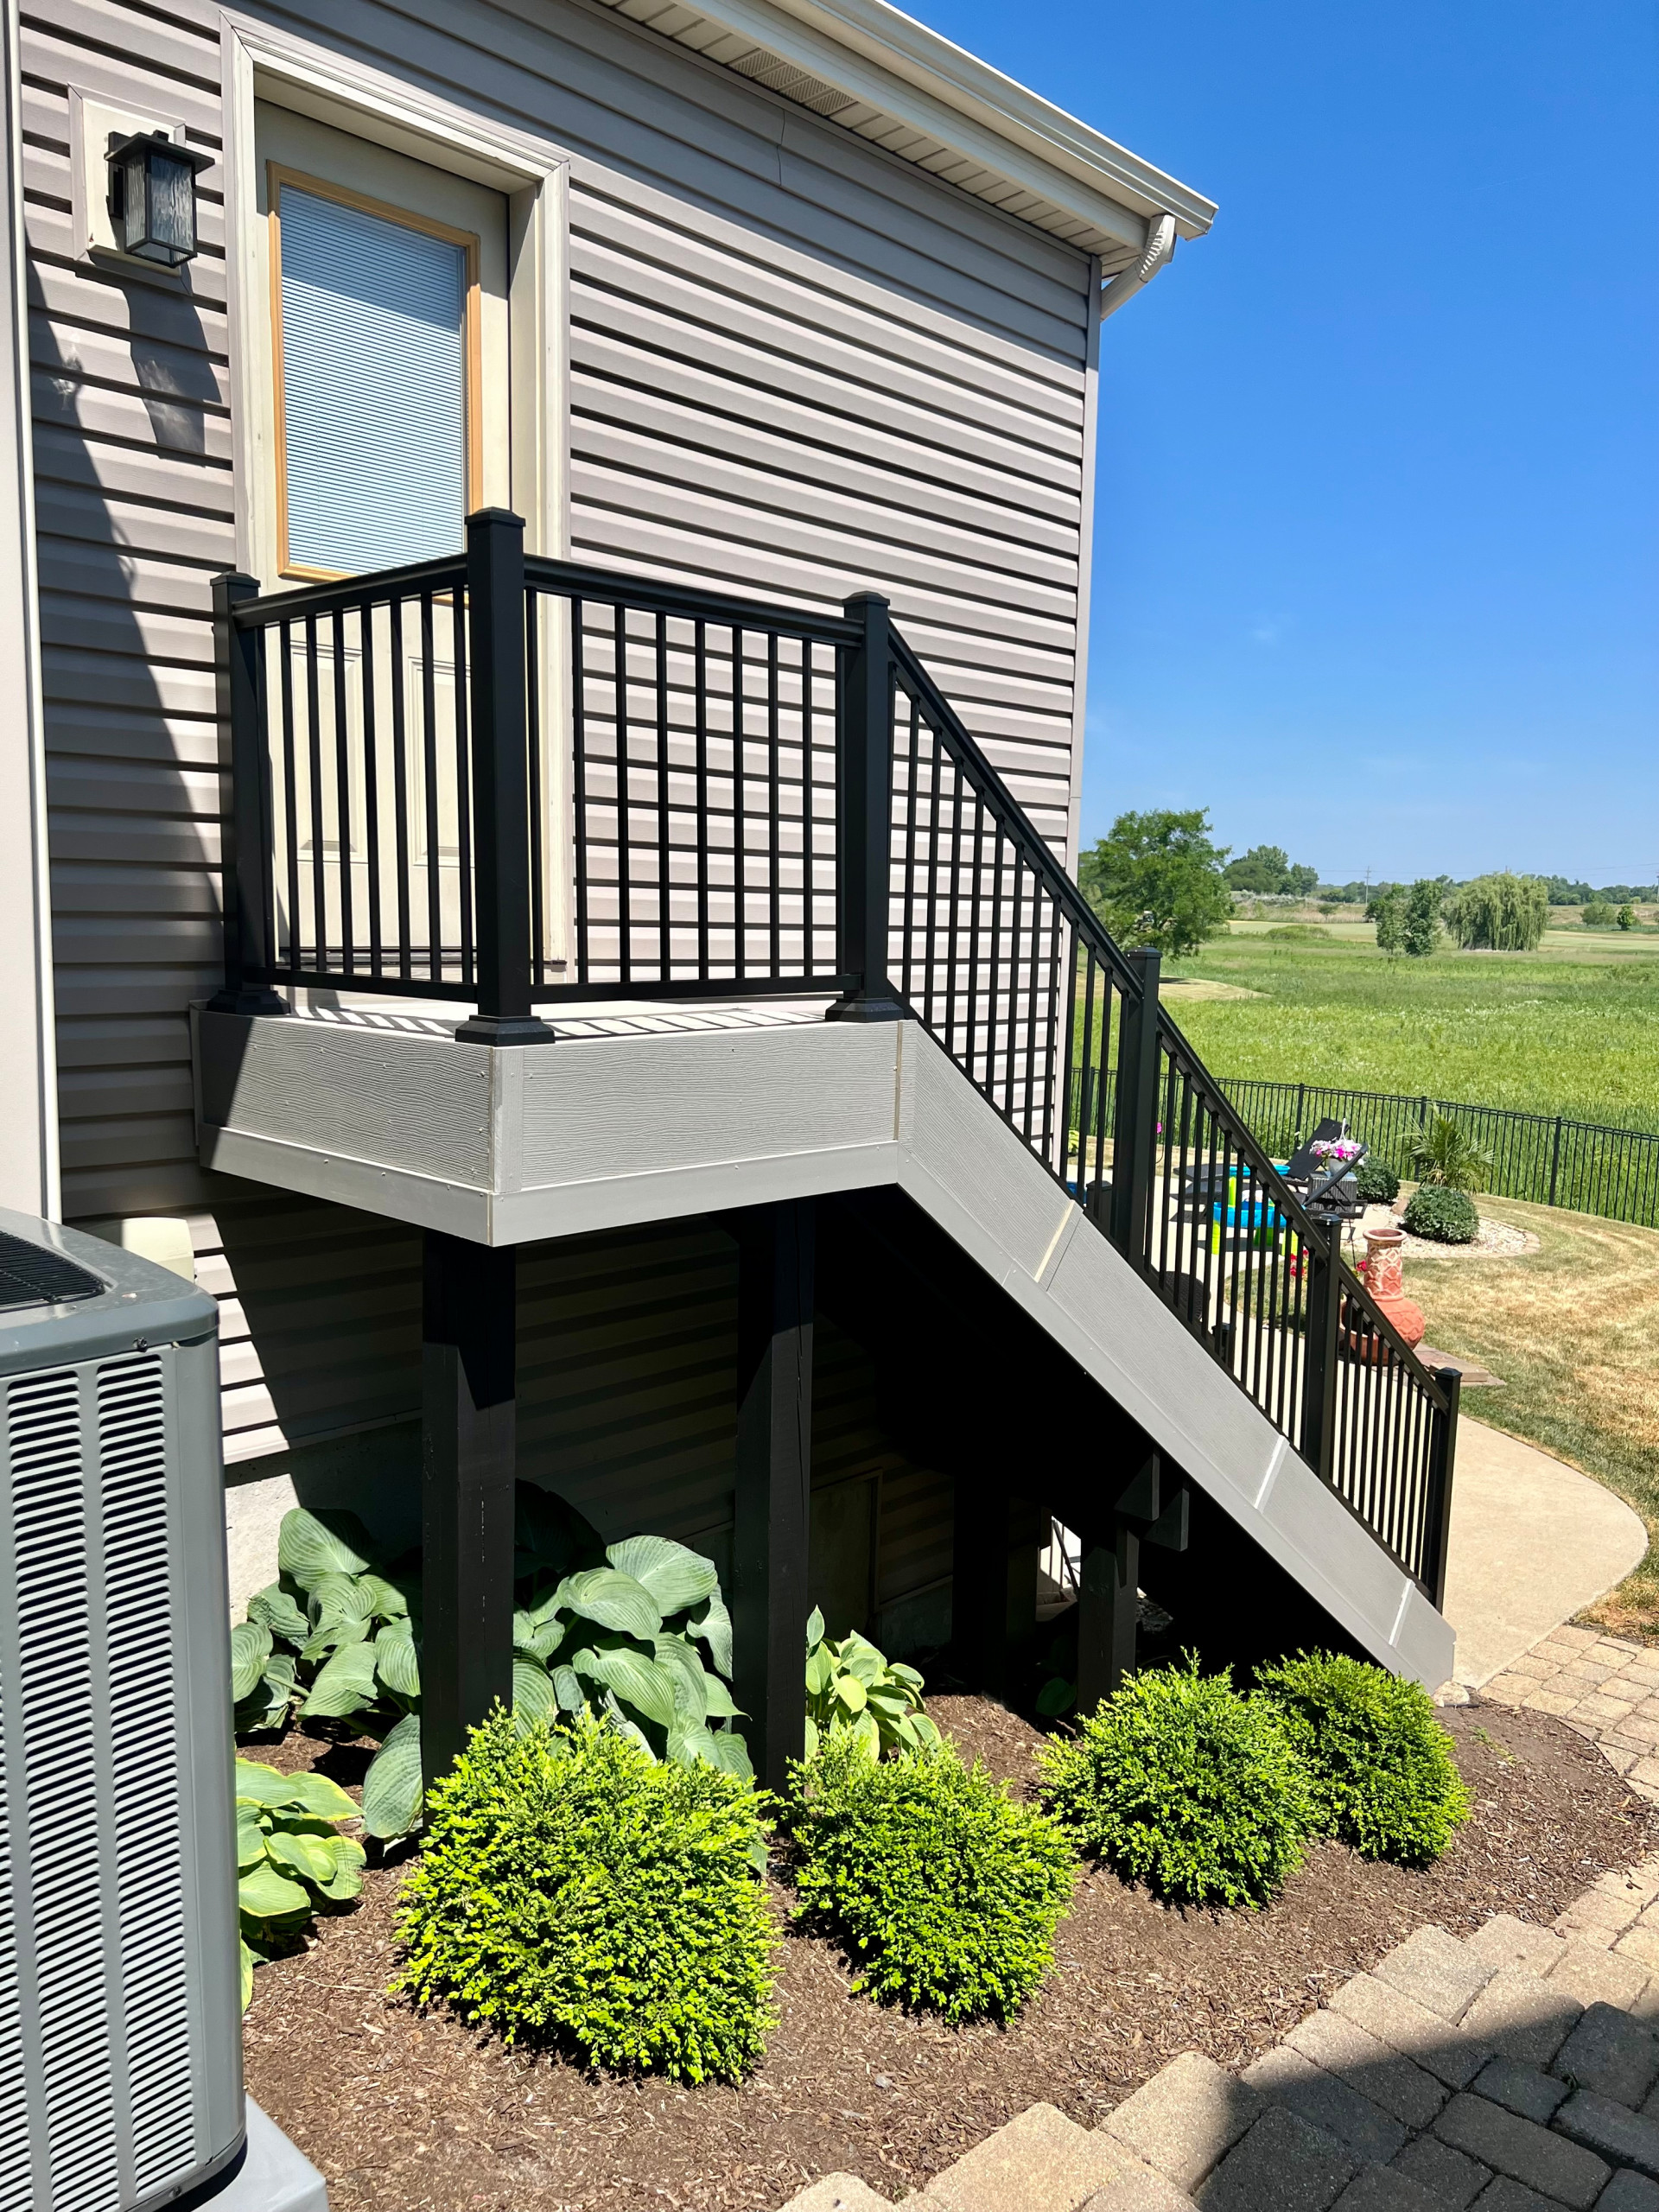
(405, 2113)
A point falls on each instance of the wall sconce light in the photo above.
(153, 196)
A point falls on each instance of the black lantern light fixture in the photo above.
(153, 196)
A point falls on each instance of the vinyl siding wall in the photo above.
(799, 368)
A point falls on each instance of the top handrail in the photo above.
(372, 589)
(616, 587)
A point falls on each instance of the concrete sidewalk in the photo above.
(1533, 1542)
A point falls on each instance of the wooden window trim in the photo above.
(473, 348)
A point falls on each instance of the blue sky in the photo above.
(1377, 541)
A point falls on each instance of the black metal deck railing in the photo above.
(513, 783)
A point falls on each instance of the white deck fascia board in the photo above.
(595, 1133)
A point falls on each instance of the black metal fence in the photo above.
(1587, 1166)
(514, 783)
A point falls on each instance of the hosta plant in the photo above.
(852, 1686)
(290, 1859)
(636, 1631)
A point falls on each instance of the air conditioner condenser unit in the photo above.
(120, 2029)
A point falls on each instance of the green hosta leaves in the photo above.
(250, 1649)
(275, 1609)
(249, 1840)
(309, 1546)
(614, 1600)
(343, 1686)
(636, 1681)
(397, 1663)
(323, 1799)
(266, 1894)
(533, 1697)
(392, 1788)
(852, 1688)
(674, 1576)
(713, 1624)
(262, 1785)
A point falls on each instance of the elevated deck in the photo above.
(639, 1113)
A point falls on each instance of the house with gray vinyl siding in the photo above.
(461, 946)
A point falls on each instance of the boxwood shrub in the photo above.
(946, 1892)
(1180, 1781)
(574, 1889)
(1436, 1210)
(1376, 1183)
(1379, 1761)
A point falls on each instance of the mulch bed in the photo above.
(406, 2112)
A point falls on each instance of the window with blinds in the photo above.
(375, 322)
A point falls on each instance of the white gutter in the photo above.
(950, 79)
(1161, 251)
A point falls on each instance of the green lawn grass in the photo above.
(1571, 1330)
(1573, 1028)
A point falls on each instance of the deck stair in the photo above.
(1513, 2070)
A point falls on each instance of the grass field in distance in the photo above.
(1573, 1028)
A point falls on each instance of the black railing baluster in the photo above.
(536, 799)
(699, 739)
(464, 720)
(314, 763)
(342, 792)
(665, 890)
(371, 789)
(433, 817)
(400, 786)
(295, 960)
(581, 836)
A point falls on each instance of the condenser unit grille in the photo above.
(95, 2001)
(145, 1763)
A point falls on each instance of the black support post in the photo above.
(501, 763)
(467, 1455)
(1443, 1451)
(1134, 1124)
(1322, 1257)
(245, 834)
(1146, 1508)
(864, 816)
(1109, 1614)
(771, 1535)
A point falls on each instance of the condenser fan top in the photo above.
(32, 1275)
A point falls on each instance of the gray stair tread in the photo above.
(1186, 2119)
(838, 2193)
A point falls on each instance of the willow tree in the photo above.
(1500, 913)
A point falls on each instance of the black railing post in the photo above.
(246, 853)
(500, 760)
(1442, 1455)
(1322, 1257)
(864, 816)
(1555, 1161)
(1134, 1119)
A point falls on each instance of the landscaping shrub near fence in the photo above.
(1581, 1165)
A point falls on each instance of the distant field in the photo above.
(1573, 1028)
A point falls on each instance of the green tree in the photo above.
(1596, 914)
(1627, 916)
(1387, 908)
(1420, 925)
(1302, 881)
(1156, 880)
(1500, 912)
(1262, 869)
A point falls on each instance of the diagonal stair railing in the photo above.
(516, 783)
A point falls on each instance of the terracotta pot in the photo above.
(1385, 1262)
